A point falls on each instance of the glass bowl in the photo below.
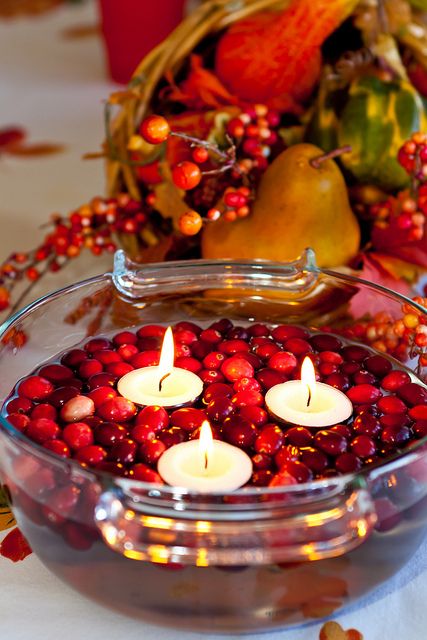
(254, 559)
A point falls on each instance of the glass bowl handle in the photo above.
(273, 531)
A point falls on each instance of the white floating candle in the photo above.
(164, 385)
(308, 403)
(205, 465)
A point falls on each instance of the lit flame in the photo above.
(205, 444)
(167, 355)
(308, 377)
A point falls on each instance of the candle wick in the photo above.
(162, 379)
(309, 396)
(206, 461)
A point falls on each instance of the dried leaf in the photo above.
(169, 199)
(334, 631)
(35, 149)
(79, 31)
(11, 136)
(14, 546)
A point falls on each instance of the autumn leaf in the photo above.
(14, 546)
(334, 631)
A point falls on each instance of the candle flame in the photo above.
(308, 377)
(167, 355)
(205, 443)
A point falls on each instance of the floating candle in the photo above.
(164, 385)
(308, 403)
(205, 465)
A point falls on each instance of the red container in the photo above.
(131, 28)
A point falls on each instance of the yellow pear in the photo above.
(299, 204)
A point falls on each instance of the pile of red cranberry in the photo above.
(72, 407)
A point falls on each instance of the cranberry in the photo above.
(219, 408)
(360, 409)
(200, 349)
(331, 357)
(149, 344)
(237, 367)
(143, 473)
(338, 381)
(388, 515)
(246, 384)
(151, 450)
(342, 429)
(188, 418)
(42, 429)
(184, 336)
(124, 338)
(119, 369)
(314, 459)
(101, 380)
(258, 329)
(223, 326)
(18, 420)
(189, 363)
(270, 440)
(282, 479)
(117, 410)
(173, 436)
(347, 463)
(286, 454)
(238, 333)
(155, 416)
(93, 421)
(418, 412)
(363, 446)
(394, 420)
(284, 361)
(44, 410)
(267, 351)
(77, 408)
(211, 336)
(299, 436)
(259, 341)
(210, 376)
(350, 368)
(145, 359)
(78, 435)
(367, 424)
(284, 332)
(215, 390)
(254, 414)
(62, 503)
(378, 365)
(56, 373)
(123, 451)
(248, 398)
(364, 377)
(420, 428)
(269, 378)
(327, 368)
(330, 442)
(19, 405)
(262, 477)
(59, 447)
(62, 395)
(354, 352)
(262, 461)
(412, 394)
(91, 455)
(325, 342)
(252, 359)
(96, 344)
(298, 346)
(297, 470)
(89, 368)
(73, 358)
(116, 468)
(391, 404)
(35, 388)
(364, 394)
(396, 435)
(213, 360)
(127, 351)
(101, 395)
(151, 331)
(392, 381)
(143, 432)
(188, 326)
(108, 433)
(239, 431)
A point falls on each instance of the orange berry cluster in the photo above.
(252, 140)
(403, 338)
(92, 226)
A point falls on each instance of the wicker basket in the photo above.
(209, 17)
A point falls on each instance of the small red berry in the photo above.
(155, 129)
(186, 175)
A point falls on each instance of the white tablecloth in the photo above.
(55, 88)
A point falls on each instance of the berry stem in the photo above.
(316, 162)
(197, 142)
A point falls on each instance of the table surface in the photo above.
(54, 86)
